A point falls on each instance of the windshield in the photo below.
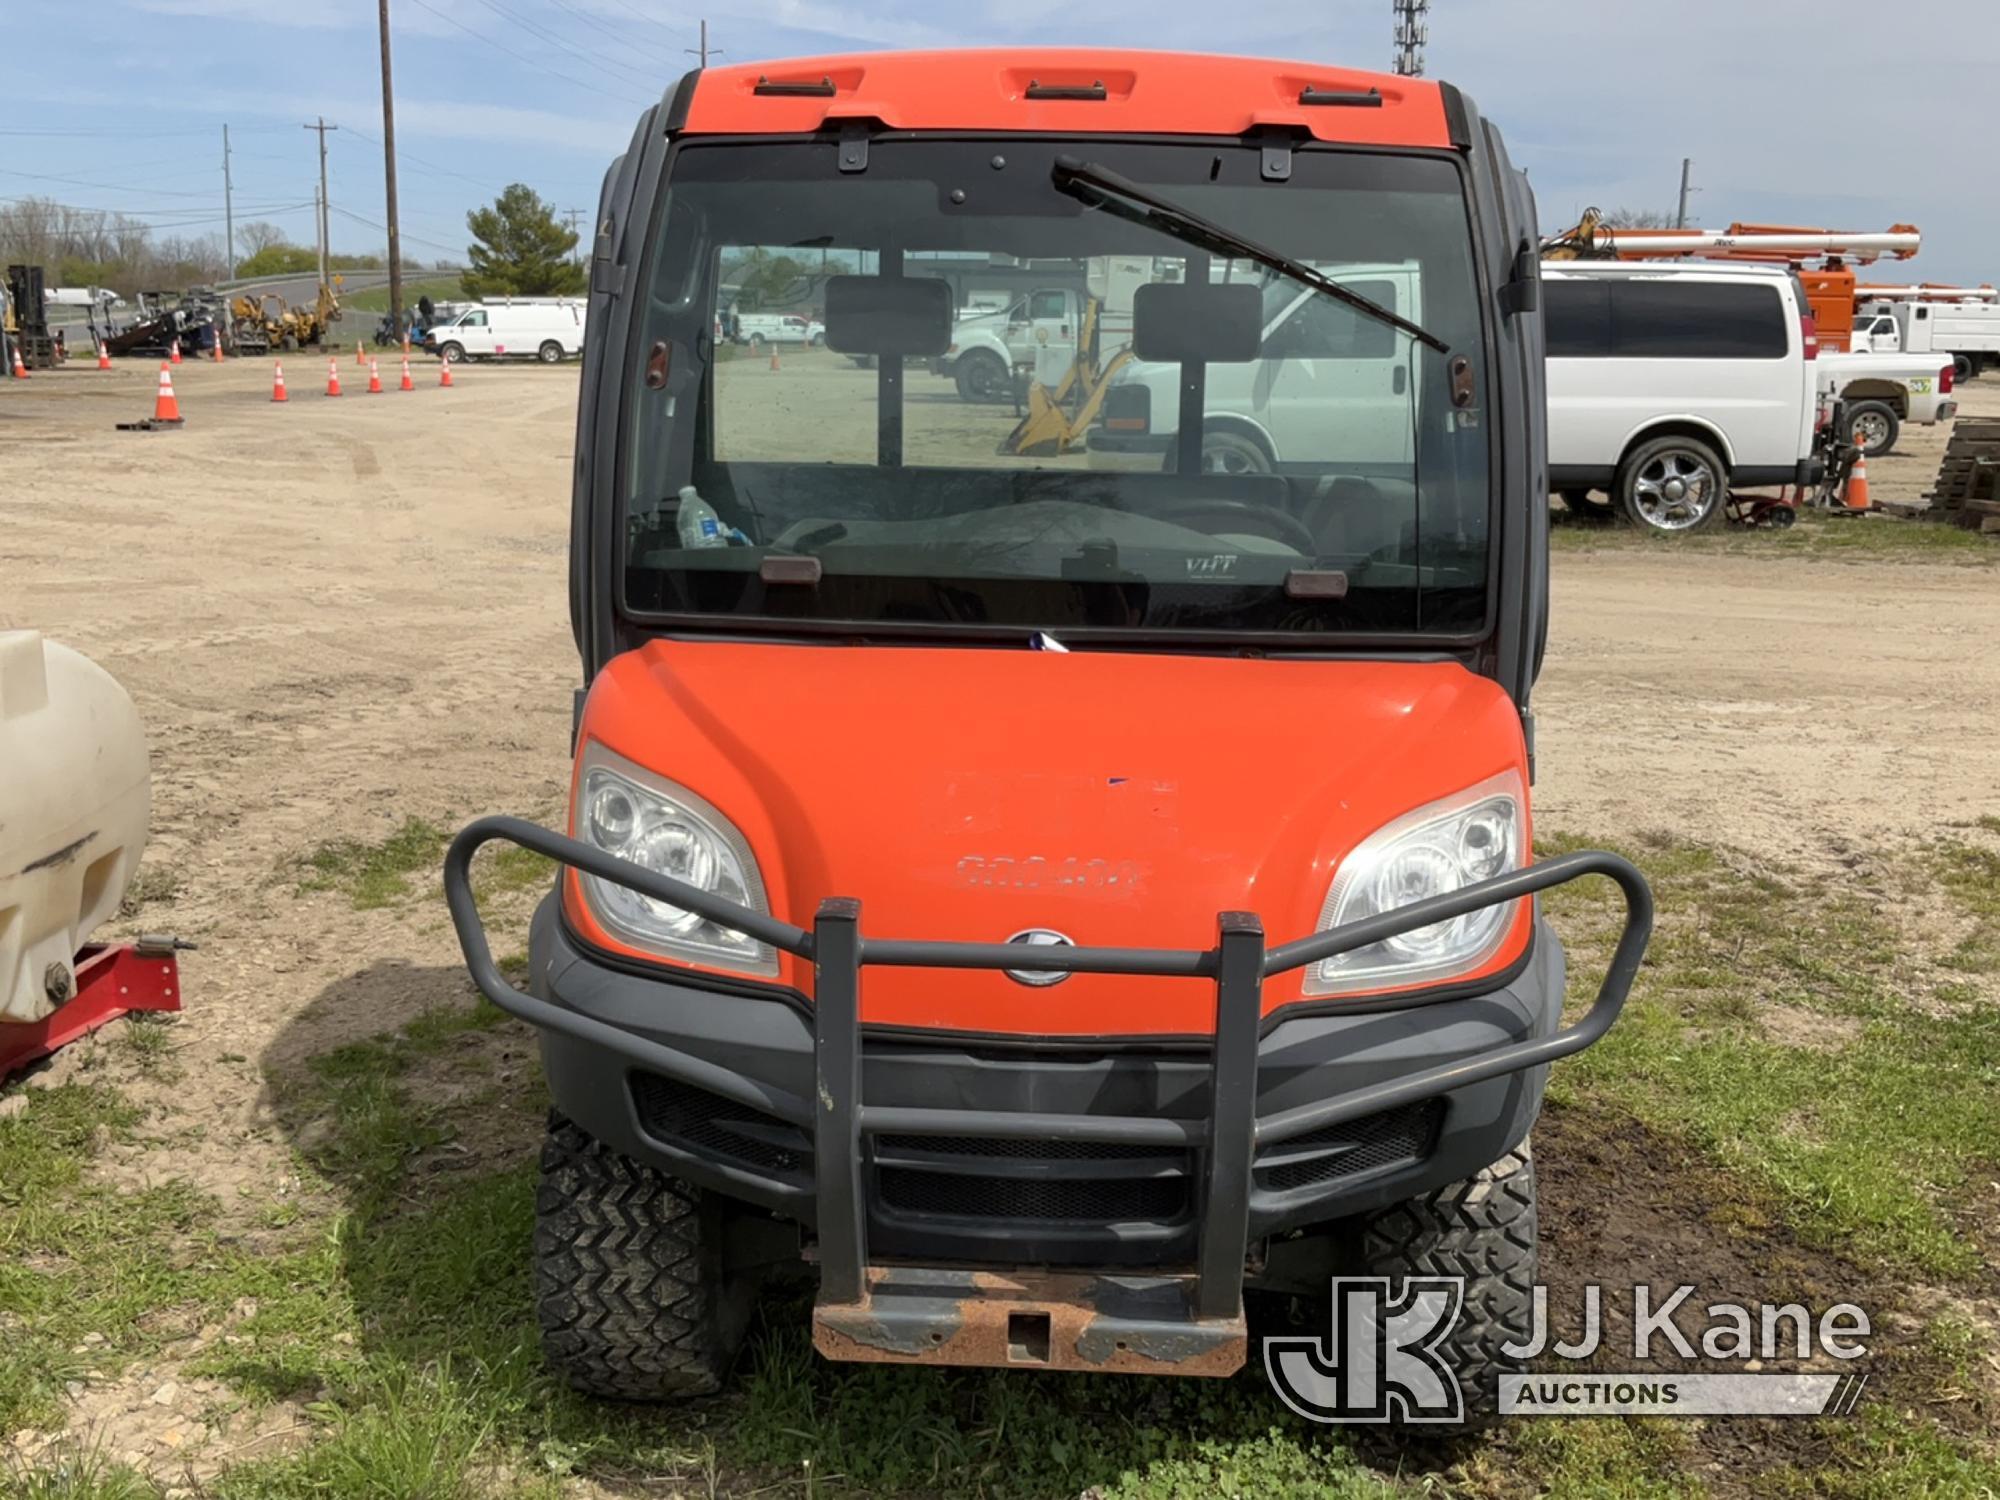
(1325, 474)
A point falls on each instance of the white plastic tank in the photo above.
(75, 797)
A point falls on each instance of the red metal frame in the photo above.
(110, 982)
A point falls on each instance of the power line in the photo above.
(383, 229)
(597, 88)
(623, 38)
(409, 158)
(593, 59)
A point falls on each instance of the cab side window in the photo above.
(1047, 305)
(1322, 328)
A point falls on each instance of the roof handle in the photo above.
(795, 89)
(1086, 91)
(1341, 98)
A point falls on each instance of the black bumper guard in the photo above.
(1239, 963)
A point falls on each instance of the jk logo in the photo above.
(1379, 1361)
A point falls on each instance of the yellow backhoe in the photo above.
(1058, 418)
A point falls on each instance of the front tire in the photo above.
(1673, 485)
(628, 1274)
(1873, 427)
(1481, 1229)
(451, 353)
(981, 377)
(1233, 453)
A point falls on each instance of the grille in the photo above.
(1052, 1200)
(1392, 1137)
(1026, 1150)
(720, 1127)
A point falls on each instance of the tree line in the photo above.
(518, 248)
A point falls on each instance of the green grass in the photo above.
(72, 1473)
(373, 875)
(1878, 1140)
(375, 299)
(397, 1303)
(1816, 535)
(405, 863)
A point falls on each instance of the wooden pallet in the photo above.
(1969, 474)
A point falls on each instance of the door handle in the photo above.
(1400, 381)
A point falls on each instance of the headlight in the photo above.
(1431, 852)
(659, 826)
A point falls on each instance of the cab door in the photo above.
(474, 332)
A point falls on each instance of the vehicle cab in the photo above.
(1035, 901)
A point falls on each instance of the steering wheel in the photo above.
(1221, 515)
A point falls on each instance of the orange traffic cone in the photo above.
(1855, 495)
(374, 379)
(774, 357)
(218, 346)
(360, 358)
(174, 353)
(20, 370)
(408, 384)
(103, 356)
(333, 377)
(166, 409)
(278, 381)
(444, 374)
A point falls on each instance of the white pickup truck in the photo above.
(1882, 391)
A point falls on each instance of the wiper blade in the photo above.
(1091, 183)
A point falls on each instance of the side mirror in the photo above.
(890, 317)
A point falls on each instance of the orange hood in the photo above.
(1121, 800)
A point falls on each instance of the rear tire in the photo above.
(550, 353)
(627, 1274)
(1873, 427)
(1964, 367)
(1673, 485)
(1481, 1229)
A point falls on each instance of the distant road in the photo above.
(294, 289)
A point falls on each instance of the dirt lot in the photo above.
(343, 618)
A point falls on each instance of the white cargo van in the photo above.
(546, 328)
(1669, 385)
(1328, 385)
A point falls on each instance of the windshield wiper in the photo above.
(1100, 185)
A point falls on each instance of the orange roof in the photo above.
(1145, 93)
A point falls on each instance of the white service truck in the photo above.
(994, 351)
(1967, 333)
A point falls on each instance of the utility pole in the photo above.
(575, 218)
(389, 179)
(1681, 218)
(1412, 31)
(228, 209)
(705, 49)
(325, 278)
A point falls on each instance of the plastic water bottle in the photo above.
(697, 521)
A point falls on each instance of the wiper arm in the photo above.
(1100, 185)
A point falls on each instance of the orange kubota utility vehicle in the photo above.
(1040, 899)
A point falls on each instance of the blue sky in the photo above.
(1795, 111)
